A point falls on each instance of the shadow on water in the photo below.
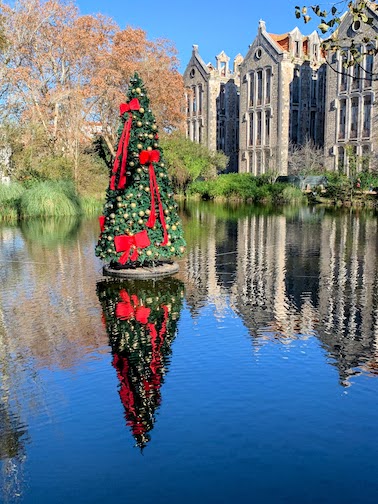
(141, 321)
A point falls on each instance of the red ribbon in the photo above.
(101, 220)
(125, 243)
(129, 308)
(153, 156)
(123, 145)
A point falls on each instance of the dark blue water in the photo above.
(250, 376)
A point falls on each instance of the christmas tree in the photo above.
(140, 225)
(141, 321)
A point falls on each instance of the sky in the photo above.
(212, 25)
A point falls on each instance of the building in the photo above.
(281, 99)
(350, 138)
(213, 104)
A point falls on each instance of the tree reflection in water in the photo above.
(141, 321)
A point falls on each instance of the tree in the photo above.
(140, 224)
(330, 20)
(66, 74)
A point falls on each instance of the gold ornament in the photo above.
(140, 146)
(172, 249)
(169, 243)
(112, 215)
(132, 163)
(138, 90)
(149, 252)
(174, 227)
(141, 110)
(151, 136)
(133, 205)
(139, 170)
(156, 144)
(162, 165)
(182, 249)
(133, 215)
(166, 211)
(154, 127)
(141, 213)
(149, 148)
(161, 174)
(119, 198)
(126, 216)
(110, 238)
(148, 211)
(139, 124)
(147, 189)
(140, 222)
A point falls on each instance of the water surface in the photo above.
(250, 376)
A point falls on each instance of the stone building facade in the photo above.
(351, 112)
(213, 104)
(281, 99)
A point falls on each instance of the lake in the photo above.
(249, 376)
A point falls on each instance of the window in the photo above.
(344, 72)
(258, 128)
(251, 89)
(187, 104)
(366, 116)
(251, 130)
(259, 87)
(268, 77)
(295, 86)
(313, 90)
(267, 127)
(354, 118)
(251, 167)
(312, 124)
(296, 49)
(365, 160)
(340, 159)
(200, 91)
(294, 126)
(259, 169)
(368, 67)
(315, 49)
(194, 104)
(356, 78)
(342, 119)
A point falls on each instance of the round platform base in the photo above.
(161, 270)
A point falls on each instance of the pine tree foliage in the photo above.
(140, 224)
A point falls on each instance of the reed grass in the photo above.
(50, 199)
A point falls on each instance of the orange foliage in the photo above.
(68, 72)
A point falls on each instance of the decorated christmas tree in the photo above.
(141, 321)
(140, 225)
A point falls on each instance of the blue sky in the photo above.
(212, 25)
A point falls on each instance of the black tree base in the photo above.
(155, 270)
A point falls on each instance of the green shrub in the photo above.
(11, 194)
(50, 199)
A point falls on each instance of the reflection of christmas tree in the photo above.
(140, 224)
(141, 320)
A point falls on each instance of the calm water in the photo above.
(250, 377)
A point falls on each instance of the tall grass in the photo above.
(10, 196)
(91, 206)
(50, 199)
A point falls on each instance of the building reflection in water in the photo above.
(293, 276)
(141, 321)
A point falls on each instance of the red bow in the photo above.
(129, 309)
(153, 156)
(124, 243)
(123, 145)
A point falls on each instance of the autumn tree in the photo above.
(65, 74)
